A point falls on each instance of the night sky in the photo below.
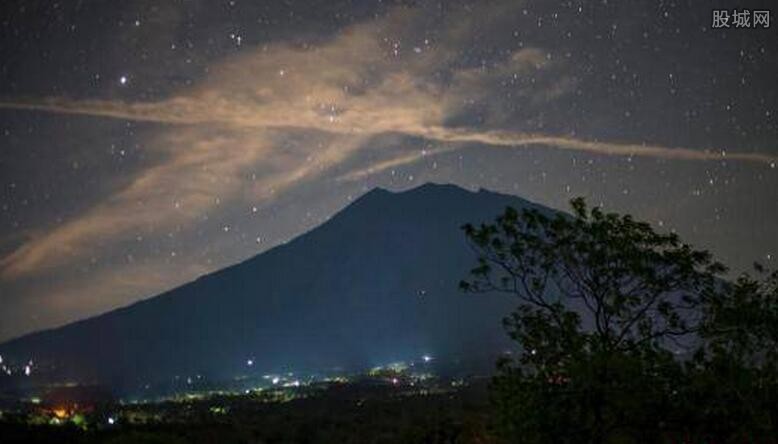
(145, 143)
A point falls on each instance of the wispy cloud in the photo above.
(340, 94)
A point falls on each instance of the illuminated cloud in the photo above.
(337, 95)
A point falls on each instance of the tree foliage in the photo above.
(617, 325)
(734, 374)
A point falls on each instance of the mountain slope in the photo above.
(377, 282)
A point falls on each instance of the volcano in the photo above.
(375, 283)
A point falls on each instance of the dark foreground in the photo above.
(340, 414)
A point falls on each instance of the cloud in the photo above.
(383, 165)
(335, 95)
(199, 166)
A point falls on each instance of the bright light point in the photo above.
(427, 358)
(1, 359)
(27, 370)
(123, 80)
(111, 421)
(772, 164)
(250, 362)
(276, 380)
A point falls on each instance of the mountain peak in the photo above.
(377, 282)
(425, 187)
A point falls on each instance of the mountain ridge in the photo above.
(380, 274)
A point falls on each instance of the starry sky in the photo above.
(145, 143)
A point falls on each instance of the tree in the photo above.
(733, 378)
(605, 303)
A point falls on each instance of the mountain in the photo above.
(375, 283)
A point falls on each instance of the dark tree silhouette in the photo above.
(605, 303)
(733, 378)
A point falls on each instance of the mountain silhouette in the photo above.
(375, 283)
